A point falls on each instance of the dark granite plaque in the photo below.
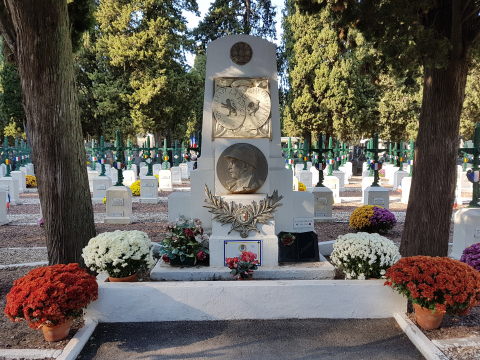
(303, 249)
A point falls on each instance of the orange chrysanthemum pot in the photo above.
(426, 319)
(57, 332)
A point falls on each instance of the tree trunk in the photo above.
(429, 211)
(45, 59)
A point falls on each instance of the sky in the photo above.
(203, 6)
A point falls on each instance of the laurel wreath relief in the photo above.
(243, 218)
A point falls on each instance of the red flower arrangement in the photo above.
(436, 283)
(51, 294)
(243, 266)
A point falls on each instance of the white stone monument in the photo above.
(22, 180)
(92, 174)
(3, 170)
(30, 169)
(376, 195)
(165, 180)
(12, 185)
(341, 177)
(129, 177)
(148, 189)
(305, 177)
(119, 205)
(323, 204)
(184, 170)
(143, 171)
(3, 205)
(397, 178)
(458, 187)
(176, 175)
(241, 158)
(333, 183)
(100, 186)
(315, 176)
(466, 230)
(406, 185)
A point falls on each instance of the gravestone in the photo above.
(149, 189)
(323, 204)
(315, 175)
(190, 168)
(156, 169)
(333, 183)
(165, 180)
(30, 169)
(406, 185)
(3, 170)
(12, 185)
(143, 171)
(22, 180)
(3, 205)
(375, 194)
(119, 205)
(184, 170)
(297, 247)
(305, 177)
(129, 177)
(341, 179)
(398, 176)
(241, 158)
(100, 186)
(176, 175)
(92, 174)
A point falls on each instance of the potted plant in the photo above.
(471, 256)
(120, 253)
(435, 285)
(242, 266)
(51, 297)
(372, 219)
(363, 255)
(185, 243)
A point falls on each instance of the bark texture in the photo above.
(430, 205)
(45, 59)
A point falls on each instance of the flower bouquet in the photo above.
(372, 218)
(363, 255)
(243, 266)
(381, 173)
(471, 256)
(135, 187)
(439, 284)
(119, 253)
(184, 241)
(31, 181)
(50, 295)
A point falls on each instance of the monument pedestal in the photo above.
(345, 171)
(323, 202)
(397, 178)
(333, 183)
(176, 175)
(315, 175)
(389, 174)
(148, 190)
(30, 170)
(12, 185)
(92, 174)
(305, 177)
(406, 184)
(365, 173)
(165, 180)
(119, 205)
(466, 230)
(3, 206)
(129, 177)
(184, 170)
(341, 177)
(366, 182)
(376, 195)
(100, 186)
(22, 180)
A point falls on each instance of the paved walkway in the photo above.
(304, 339)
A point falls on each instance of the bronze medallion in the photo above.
(241, 53)
(242, 169)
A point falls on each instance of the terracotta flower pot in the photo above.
(57, 332)
(426, 319)
(131, 278)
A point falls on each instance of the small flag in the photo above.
(165, 158)
(102, 161)
(473, 176)
(8, 201)
(94, 158)
(376, 166)
(305, 158)
(337, 158)
(289, 161)
(465, 160)
(118, 165)
(410, 162)
(7, 161)
(330, 161)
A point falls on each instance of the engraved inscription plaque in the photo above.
(117, 214)
(320, 214)
(149, 185)
(477, 232)
(378, 201)
(117, 202)
(101, 187)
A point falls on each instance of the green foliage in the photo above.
(229, 17)
(330, 89)
(132, 73)
(471, 106)
(80, 14)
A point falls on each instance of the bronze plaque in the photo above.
(241, 53)
(242, 169)
(242, 108)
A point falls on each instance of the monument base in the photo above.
(119, 205)
(148, 190)
(341, 176)
(406, 184)
(376, 195)
(100, 186)
(397, 178)
(323, 203)
(12, 185)
(333, 183)
(466, 231)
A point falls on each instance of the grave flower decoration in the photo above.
(184, 238)
(288, 239)
(135, 187)
(243, 265)
(41, 223)
(119, 253)
(381, 173)
(372, 218)
(31, 181)
(49, 295)
(471, 256)
(363, 255)
(436, 283)
(301, 186)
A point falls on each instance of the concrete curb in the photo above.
(416, 336)
(75, 346)
(29, 353)
(40, 263)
